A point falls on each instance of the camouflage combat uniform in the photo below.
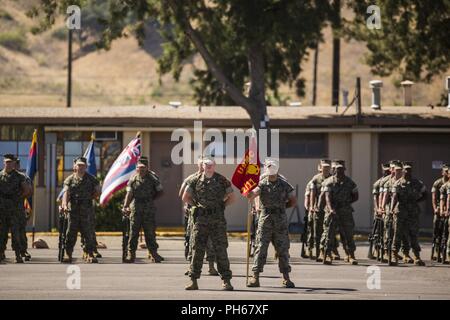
(407, 211)
(438, 188)
(404, 246)
(444, 193)
(81, 210)
(10, 212)
(210, 254)
(24, 220)
(208, 221)
(340, 196)
(143, 210)
(272, 224)
(318, 216)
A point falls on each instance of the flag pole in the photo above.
(33, 212)
(249, 213)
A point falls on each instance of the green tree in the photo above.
(413, 40)
(260, 42)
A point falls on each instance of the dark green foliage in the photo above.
(413, 40)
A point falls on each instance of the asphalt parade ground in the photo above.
(45, 278)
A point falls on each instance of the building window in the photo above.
(71, 145)
(17, 141)
(299, 145)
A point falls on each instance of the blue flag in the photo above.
(89, 154)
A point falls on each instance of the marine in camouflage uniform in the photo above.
(209, 193)
(407, 192)
(385, 205)
(80, 189)
(438, 216)
(445, 204)
(317, 210)
(24, 218)
(13, 188)
(340, 192)
(377, 193)
(210, 254)
(275, 194)
(142, 189)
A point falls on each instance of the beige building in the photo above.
(307, 134)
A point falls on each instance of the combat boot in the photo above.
(187, 272)
(310, 254)
(335, 254)
(192, 285)
(328, 260)
(131, 257)
(398, 256)
(67, 257)
(254, 281)
(384, 258)
(212, 271)
(287, 283)
(407, 258)
(19, 258)
(226, 285)
(417, 260)
(352, 259)
(91, 258)
(447, 261)
(155, 257)
(26, 255)
(97, 254)
(394, 261)
(320, 257)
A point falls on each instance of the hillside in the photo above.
(34, 70)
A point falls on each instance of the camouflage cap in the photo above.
(407, 164)
(339, 164)
(142, 162)
(9, 157)
(81, 160)
(397, 165)
(392, 163)
(385, 166)
(325, 162)
(446, 166)
(208, 160)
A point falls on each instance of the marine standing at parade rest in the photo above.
(275, 195)
(209, 193)
(142, 189)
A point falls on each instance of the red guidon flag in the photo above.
(246, 175)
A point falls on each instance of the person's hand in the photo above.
(333, 211)
(126, 210)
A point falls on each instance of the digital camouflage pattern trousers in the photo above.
(10, 221)
(344, 224)
(272, 227)
(80, 220)
(209, 224)
(210, 254)
(143, 216)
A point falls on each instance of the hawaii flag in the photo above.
(246, 175)
(121, 170)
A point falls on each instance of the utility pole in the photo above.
(336, 25)
(69, 70)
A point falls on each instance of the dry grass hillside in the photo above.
(33, 70)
